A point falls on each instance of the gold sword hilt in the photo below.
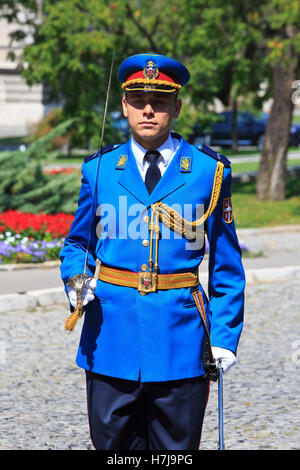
(77, 282)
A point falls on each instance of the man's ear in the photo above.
(177, 108)
(124, 106)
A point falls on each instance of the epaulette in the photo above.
(175, 135)
(105, 150)
(217, 156)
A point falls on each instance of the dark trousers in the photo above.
(130, 415)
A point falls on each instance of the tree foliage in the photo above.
(74, 41)
(231, 48)
(279, 22)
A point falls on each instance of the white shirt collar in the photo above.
(167, 151)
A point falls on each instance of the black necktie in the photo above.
(153, 174)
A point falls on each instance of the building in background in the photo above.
(21, 106)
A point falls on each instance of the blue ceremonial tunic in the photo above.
(157, 336)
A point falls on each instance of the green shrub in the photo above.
(25, 186)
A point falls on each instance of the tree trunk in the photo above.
(271, 178)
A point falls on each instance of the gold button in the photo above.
(144, 267)
(146, 242)
(146, 219)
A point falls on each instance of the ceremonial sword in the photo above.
(220, 408)
(78, 281)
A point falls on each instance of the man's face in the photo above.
(150, 116)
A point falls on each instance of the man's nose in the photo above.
(148, 108)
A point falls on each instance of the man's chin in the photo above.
(150, 136)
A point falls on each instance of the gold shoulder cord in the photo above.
(173, 220)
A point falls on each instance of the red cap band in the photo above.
(161, 76)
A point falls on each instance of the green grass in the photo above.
(249, 212)
(78, 158)
(240, 153)
(13, 140)
(253, 166)
(296, 119)
(248, 152)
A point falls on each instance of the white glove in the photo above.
(87, 294)
(223, 357)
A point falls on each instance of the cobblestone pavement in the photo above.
(42, 397)
(261, 392)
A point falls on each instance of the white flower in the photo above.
(7, 234)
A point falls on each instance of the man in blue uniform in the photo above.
(144, 338)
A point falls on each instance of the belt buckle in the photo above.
(147, 282)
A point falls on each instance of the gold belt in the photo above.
(147, 282)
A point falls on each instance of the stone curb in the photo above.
(21, 266)
(264, 275)
(251, 175)
(264, 230)
(57, 295)
(31, 299)
(269, 275)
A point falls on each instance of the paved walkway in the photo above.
(261, 392)
(42, 395)
(292, 155)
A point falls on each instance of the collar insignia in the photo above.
(185, 164)
(122, 162)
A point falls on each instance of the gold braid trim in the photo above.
(173, 220)
(151, 81)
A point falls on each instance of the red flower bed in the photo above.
(55, 171)
(56, 226)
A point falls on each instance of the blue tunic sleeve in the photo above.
(226, 275)
(73, 253)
